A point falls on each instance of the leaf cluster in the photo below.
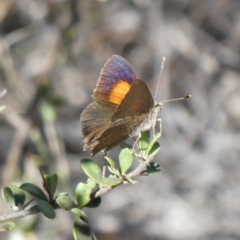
(88, 194)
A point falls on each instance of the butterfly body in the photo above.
(123, 107)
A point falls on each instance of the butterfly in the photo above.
(123, 107)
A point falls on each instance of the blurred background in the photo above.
(51, 54)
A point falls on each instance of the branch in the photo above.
(101, 191)
(19, 214)
(136, 172)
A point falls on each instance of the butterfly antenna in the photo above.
(160, 75)
(177, 99)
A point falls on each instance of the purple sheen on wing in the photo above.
(115, 69)
(119, 68)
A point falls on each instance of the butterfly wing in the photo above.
(109, 120)
(127, 118)
(115, 80)
(94, 119)
(138, 101)
(111, 136)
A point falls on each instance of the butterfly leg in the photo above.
(138, 146)
(136, 142)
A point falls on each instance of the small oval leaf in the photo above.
(152, 168)
(51, 181)
(83, 193)
(79, 212)
(91, 169)
(7, 226)
(110, 161)
(65, 202)
(125, 160)
(129, 180)
(81, 229)
(109, 182)
(33, 190)
(114, 171)
(158, 136)
(153, 149)
(46, 209)
(8, 197)
(144, 140)
(19, 195)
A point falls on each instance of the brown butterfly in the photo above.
(123, 107)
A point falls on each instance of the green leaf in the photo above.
(94, 203)
(109, 182)
(112, 166)
(81, 229)
(83, 193)
(144, 140)
(91, 169)
(33, 190)
(7, 226)
(110, 161)
(51, 181)
(65, 202)
(153, 149)
(130, 180)
(114, 171)
(125, 160)
(79, 212)
(157, 136)
(8, 197)
(46, 209)
(19, 195)
(152, 168)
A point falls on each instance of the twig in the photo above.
(19, 214)
(101, 191)
(136, 172)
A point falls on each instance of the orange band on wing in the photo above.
(119, 92)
